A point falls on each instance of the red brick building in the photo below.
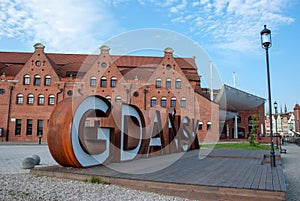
(297, 117)
(236, 110)
(31, 84)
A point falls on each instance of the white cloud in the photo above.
(230, 24)
(179, 7)
(74, 25)
(61, 25)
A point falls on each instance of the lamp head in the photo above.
(266, 41)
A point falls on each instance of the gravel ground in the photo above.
(32, 187)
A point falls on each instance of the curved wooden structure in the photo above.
(59, 134)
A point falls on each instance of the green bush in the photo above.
(252, 139)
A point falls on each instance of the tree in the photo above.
(253, 130)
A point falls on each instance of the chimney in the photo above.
(168, 52)
(104, 49)
(39, 47)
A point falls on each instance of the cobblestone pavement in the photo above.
(11, 157)
(291, 168)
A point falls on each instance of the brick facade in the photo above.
(245, 124)
(297, 117)
(33, 83)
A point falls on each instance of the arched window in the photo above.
(118, 99)
(30, 99)
(103, 82)
(93, 81)
(37, 80)
(183, 102)
(47, 80)
(158, 83)
(239, 119)
(41, 99)
(153, 101)
(178, 83)
(208, 125)
(168, 83)
(163, 102)
(26, 80)
(20, 99)
(250, 121)
(51, 100)
(173, 102)
(113, 82)
(200, 125)
(108, 98)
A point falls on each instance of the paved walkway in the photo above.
(221, 175)
(12, 155)
(291, 168)
(223, 168)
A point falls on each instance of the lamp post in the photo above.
(276, 113)
(266, 43)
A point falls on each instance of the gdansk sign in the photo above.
(123, 132)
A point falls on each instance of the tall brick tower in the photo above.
(297, 117)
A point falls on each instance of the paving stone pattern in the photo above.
(291, 167)
(11, 157)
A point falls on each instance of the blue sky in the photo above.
(227, 30)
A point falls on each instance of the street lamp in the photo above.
(266, 43)
(276, 113)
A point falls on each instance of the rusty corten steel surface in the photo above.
(59, 133)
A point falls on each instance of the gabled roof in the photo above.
(15, 57)
(12, 62)
(136, 61)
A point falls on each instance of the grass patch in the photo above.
(14, 193)
(238, 146)
(96, 180)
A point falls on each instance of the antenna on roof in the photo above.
(211, 81)
(234, 79)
